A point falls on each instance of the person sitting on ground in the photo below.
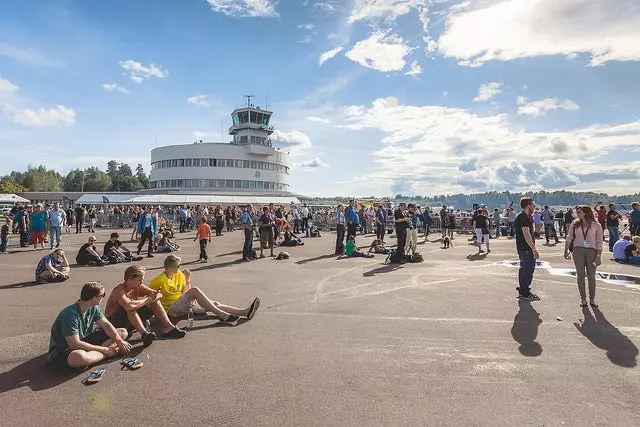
(632, 251)
(74, 343)
(53, 268)
(178, 296)
(291, 239)
(619, 249)
(87, 255)
(378, 247)
(131, 303)
(117, 252)
(165, 245)
(352, 250)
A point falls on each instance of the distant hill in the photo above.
(495, 199)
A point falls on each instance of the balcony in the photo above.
(255, 126)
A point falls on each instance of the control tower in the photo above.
(251, 125)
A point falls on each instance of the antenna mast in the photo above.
(266, 102)
(249, 99)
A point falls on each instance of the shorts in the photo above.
(181, 307)
(266, 238)
(119, 319)
(37, 237)
(480, 233)
(60, 359)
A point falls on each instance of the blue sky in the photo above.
(372, 97)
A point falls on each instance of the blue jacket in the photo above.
(141, 221)
(351, 215)
(426, 218)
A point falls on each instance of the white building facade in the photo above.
(248, 164)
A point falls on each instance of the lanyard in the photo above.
(582, 227)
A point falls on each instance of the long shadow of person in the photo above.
(525, 329)
(620, 349)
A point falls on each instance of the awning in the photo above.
(12, 198)
(185, 199)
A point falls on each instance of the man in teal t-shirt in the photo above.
(74, 343)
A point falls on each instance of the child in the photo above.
(352, 250)
(204, 233)
(378, 247)
(4, 236)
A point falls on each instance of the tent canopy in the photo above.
(187, 199)
(12, 198)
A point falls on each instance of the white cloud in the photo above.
(138, 72)
(244, 8)
(539, 108)
(307, 27)
(430, 45)
(199, 100)
(382, 9)
(42, 117)
(314, 163)
(439, 150)
(488, 91)
(110, 87)
(294, 139)
(28, 55)
(7, 86)
(415, 70)
(382, 51)
(505, 30)
(329, 54)
(199, 135)
(318, 119)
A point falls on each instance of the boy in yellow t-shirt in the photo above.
(178, 296)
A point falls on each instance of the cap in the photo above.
(116, 235)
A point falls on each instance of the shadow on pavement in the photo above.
(38, 375)
(525, 329)
(477, 256)
(380, 270)
(219, 324)
(620, 349)
(317, 258)
(28, 284)
(230, 253)
(219, 265)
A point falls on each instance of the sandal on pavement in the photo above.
(95, 376)
(132, 363)
(253, 308)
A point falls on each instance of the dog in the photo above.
(446, 242)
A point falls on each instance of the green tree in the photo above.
(96, 180)
(7, 186)
(112, 172)
(73, 180)
(42, 179)
(130, 183)
(142, 177)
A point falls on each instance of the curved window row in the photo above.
(219, 183)
(220, 163)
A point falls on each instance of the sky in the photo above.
(371, 97)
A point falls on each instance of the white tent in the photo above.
(12, 198)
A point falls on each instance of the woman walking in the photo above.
(585, 239)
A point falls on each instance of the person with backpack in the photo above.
(402, 222)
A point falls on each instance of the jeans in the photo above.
(54, 234)
(79, 223)
(497, 225)
(305, 225)
(525, 274)
(352, 228)
(614, 236)
(4, 242)
(339, 239)
(633, 260)
(147, 235)
(183, 224)
(203, 249)
(296, 225)
(380, 231)
(512, 229)
(550, 231)
(248, 243)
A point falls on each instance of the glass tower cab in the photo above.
(251, 125)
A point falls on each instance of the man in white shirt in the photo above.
(305, 218)
(57, 220)
(296, 218)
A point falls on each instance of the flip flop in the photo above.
(132, 363)
(253, 308)
(95, 376)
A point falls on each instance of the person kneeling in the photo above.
(378, 247)
(88, 255)
(178, 296)
(74, 343)
(352, 250)
(291, 239)
(116, 252)
(53, 268)
(131, 303)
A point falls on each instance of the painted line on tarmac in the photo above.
(600, 288)
(321, 283)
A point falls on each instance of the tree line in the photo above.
(116, 177)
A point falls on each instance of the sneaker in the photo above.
(149, 256)
(175, 333)
(231, 318)
(530, 297)
(253, 308)
(148, 338)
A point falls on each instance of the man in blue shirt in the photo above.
(427, 220)
(183, 219)
(247, 223)
(381, 222)
(613, 224)
(74, 343)
(352, 218)
(57, 219)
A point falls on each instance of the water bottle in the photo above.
(147, 325)
(190, 318)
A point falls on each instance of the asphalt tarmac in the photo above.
(341, 342)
